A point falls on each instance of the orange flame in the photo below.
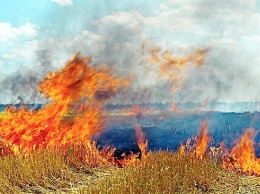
(77, 92)
(136, 111)
(242, 156)
(141, 142)
(202, 140)
(5, 149)
(174, 69)
(143, 146)
(174, 107)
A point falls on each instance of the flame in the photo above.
(143, 146)
(77, 95)
(136, 111)
(174, 69)
(77, 92)
(5, 149)
(174, 107)
(242, 156)
(141, 142)
(202, 140)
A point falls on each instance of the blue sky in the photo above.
(37, 36)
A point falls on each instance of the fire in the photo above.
(202, 140)
(141, 142)
(77, 93)
(174, 107)
(174, 69)
(143, 146)
(136, 111)
(242, 156)
(5, 149)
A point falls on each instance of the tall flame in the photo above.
(141, 141)
(202, 140)
(77, 89)
(174, 107)
(243, 156)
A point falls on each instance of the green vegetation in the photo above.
(84, 169)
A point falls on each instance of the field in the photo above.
(166, 168)
(160, 172)
(75, 145)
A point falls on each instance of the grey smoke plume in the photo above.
(21, 86)
(229, 71)
(117, 39)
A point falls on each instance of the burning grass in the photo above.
(53, 171)
(83, 168)
(78, 88)
(242, 156)
(50, 151)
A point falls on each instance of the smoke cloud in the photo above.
(116, 39)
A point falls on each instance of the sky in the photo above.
(37, 36)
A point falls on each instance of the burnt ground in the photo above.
(167, 130)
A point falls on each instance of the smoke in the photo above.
(116, 40)
(228, 74)
(20, 85)
(212, 81)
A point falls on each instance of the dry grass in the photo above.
(167, 172)
(83, 169)
(56, 169)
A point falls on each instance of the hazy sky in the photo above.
(37, 36)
